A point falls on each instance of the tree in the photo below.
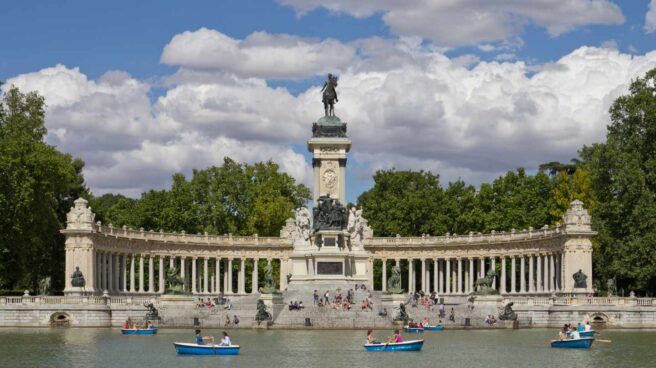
(37, 187)
(623, 181)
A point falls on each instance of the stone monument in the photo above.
(577, 249)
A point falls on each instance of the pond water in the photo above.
(104, 347)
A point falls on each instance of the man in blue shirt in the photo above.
(200, 340)
(579, 328)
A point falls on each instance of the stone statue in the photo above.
(269, 281)
(174, 282)
(80, 217)
(262, 314)
(328, 214)
(301, 224)
(508, 313)
(153, 313)
(484, 284)
(44, 286)
(330, 95)
(403, 315)
(577, 217)
(611, 287)
(77, 279)
(394, 281)
(355, 226)
(580, 280)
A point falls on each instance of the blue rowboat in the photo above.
(587, 333)
(138, 331)
(434, 328)
(412, 345)
(413, 329)
(582, 343)
(195, 349)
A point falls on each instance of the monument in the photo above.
(331, 252)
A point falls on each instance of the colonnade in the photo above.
(538, 273)
(145, 273)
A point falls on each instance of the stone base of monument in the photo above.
(488, 300)
(509, 324)
(181, 300)
(391, 302)
(78, 291)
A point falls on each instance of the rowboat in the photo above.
(412, 345)
(408, 329)
(585, 333)
(138, 331)
(434, 328)
(195, 349)
(582, 343)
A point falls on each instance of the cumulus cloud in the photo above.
(650, 17)
(407, 104)
(261, 54)
(465, 22)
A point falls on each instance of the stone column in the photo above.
(384, 280)
(522, 274)
(493, 266)
(465, 280)
(481, 270)
(552, 279)
(254, 282)
(513, 275)
(502, 280)
(410, 274)
(283, 273)
(206, 275)
(101, 276)
(151, 274)
(161, 287)
(531, 276)
(428, 280)
(538, 273)
(225, 276)
(133, 262)
(110, 272)
(242, 276)
(441, 275)
(471, 275)
(447, 290)
(193, 275)
(436, 270)
(459, 281)
(423, 274)
(172, 262)
(183, 265)
(124, 273)
(141, 273)
(229, 291)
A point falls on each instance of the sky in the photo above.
(468, 89)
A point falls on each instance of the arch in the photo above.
(599, 320)
(60, 319)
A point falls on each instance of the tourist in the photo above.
(291, 305)
(493, 320)
(228, 322)
(235, 320)
(200, 339)
(579, 327)
(424, 322)
(300, 305)
(315, 298)
(562, 334)
(574, 334)
(150, 325)
(487, 320)
(363, 305)
(396, 338)
(326, 297)
(225, 341)
(371, 339)
(383, 313)
(452, 316)
(126, 325)
(588, 328)
(442, 313)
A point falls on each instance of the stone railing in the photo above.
(475, 238)
(183, 238)
(518, 300)
(98, 300)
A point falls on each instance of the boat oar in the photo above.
(606, 341)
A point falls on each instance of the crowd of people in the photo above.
(420, 298)
(131, 325)
(296, 305)
(490, 320)
(573, 332)
(340, 302)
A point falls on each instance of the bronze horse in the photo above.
(330, 95)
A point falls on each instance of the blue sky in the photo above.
(131, 36)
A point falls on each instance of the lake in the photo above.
(104, 347)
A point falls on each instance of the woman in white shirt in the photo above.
(226, 340)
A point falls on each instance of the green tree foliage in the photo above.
(241, 199)
(623, 181)
(37, 187)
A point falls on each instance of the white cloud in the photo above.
(408, 106)
(650, 17)
(261, 54)
(466, 22)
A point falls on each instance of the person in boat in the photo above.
(424, 322)
(396, 338)
(371, 339)
(574, 334)
(225, 341)
(126, 325)
(579, 327)
(150, 325)
(562, 334)
(200, 339)
(588, 328)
